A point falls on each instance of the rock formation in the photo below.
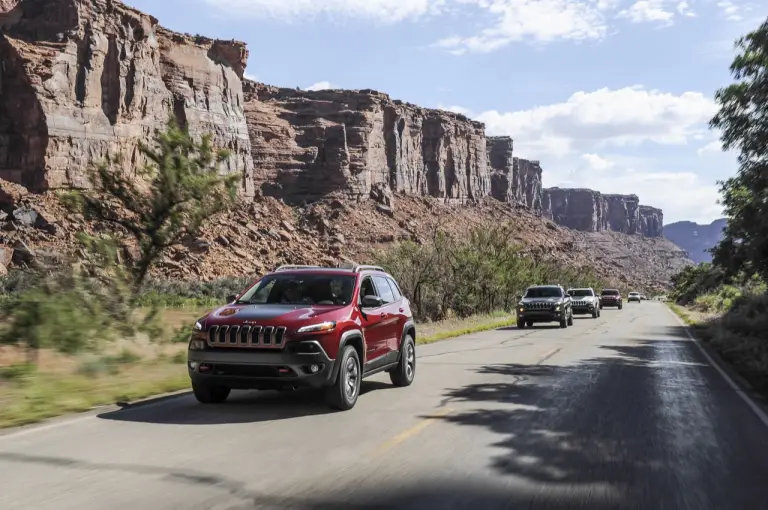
(307, 145)
(82, 80)
(513, 180)
(591, 211)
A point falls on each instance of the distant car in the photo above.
(545, 303)
(584, 301)
(634, 296)
(611, 297)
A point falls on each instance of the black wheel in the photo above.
(570, 319)
(595, 314)
(209, 393)
(342, 395)
(620, 306)
(601, 306)
(520, 325)
(529, 324)
(405, 371)
(563, 322)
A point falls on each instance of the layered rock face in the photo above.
(591, 211)
(86, 79)
(307, 145)
(513, 180)
(651, 221)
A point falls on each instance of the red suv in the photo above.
(306, 326)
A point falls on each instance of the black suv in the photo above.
(545, 303)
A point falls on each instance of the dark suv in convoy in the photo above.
(306, 326)
(544, 303)
(585, 302)
(611, 297)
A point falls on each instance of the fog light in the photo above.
(314, 368)
(193, 365)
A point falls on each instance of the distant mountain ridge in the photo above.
(694, 238)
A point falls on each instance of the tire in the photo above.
(595, 314)
(620, 307)
(563, 323)
(210, 394)
(570, 319)
(529, 324)
(601, 306)
(521, 325)
(342, 394)
(405, 371)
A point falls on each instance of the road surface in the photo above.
(623, 411)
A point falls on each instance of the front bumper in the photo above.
(610, 302)
(583, 310)
(261, 369)
(540, 316)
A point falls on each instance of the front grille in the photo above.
(581, 303)
(246, 336)
(539, 306)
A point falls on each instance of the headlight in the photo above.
(323, 327)
(196, 345)
(521, 309)
(198, 326)
(557, 308)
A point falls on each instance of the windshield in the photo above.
(634, 294)
(301, 289)
(543, 292)
(610, 292)
(581, 292)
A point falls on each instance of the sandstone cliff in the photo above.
(696, 239)
(307, 145)
(591, 211)
(513, 180)
(82, 80)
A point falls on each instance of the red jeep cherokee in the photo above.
(306, 326)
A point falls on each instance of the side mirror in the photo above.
(231, 298)
(372, 302)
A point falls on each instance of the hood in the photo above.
(552, 300)
(236, 314)
(583, 298)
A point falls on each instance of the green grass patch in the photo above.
(484, 324)
(682, 313)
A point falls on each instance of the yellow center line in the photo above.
(407, 434)
(548, 355)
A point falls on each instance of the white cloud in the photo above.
(321, 85)
(583, 142)
(502, 22)
(456, 109)
(249, 76)
(605, 117)
(385, 11)
(596, 162)
(712, 147)
(539, 20)
(645, 11)
(684, 9)
(731, 11)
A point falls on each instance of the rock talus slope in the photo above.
(86, 79)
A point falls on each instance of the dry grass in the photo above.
(133, 370)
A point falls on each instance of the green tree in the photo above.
(743, 120)
(169, 198)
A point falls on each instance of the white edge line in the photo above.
(736, 388)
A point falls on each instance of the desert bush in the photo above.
(479, 273)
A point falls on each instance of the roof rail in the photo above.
(360, 268)
(291, 267)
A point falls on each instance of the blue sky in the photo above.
(613, 95)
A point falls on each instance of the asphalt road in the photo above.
(623, 411)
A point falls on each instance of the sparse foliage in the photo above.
(743, 120)
(183, 188)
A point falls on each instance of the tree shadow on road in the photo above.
(240, 407)
(609, 422)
